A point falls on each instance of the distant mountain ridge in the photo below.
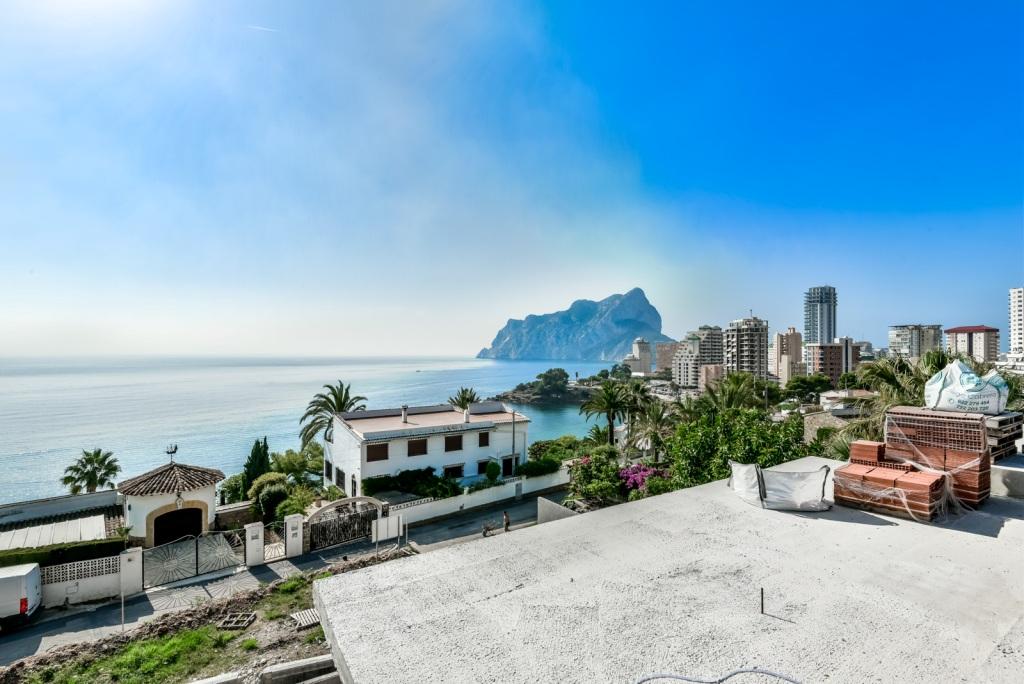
(586, 331)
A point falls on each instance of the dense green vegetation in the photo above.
(551, 385)
(422, 482)
(55, 554)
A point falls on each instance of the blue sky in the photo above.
(401, 178)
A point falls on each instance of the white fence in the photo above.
(82, 581)
(428, 509)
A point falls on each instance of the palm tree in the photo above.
(608, 401)
(464, 397)
(736, 390)
(319, 415)
(597, 435)
(653, 427)
(93, 470)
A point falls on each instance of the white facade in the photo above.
(977, 341)
(640, 360)
(686, 362)
(746, 347)
(138, 508)
(712, 344)
(914, 340)
(1017, 321)
(380, 443)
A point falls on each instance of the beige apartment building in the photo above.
(980, 342)
(786, 357)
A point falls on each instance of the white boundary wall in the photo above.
(81, 581)
(428, 509)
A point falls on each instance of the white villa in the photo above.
(454, 442)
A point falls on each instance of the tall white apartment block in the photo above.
(686, 362)
(914, 340)
(746, 347)
(711, 344)
(1017, 321)
(820, 305)
(977, 341)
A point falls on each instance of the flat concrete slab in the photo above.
(672, 584)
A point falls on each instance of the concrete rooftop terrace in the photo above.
(672, 584)
(387, 421)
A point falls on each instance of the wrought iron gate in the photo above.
(191, 556)
(273, 541)
(343, 524)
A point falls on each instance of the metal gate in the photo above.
(345, 523)
(169, 562)
(191, 556)
(273, 541)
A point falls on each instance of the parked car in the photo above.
(21, 594)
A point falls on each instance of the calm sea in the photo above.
(213, 409)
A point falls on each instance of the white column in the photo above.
(293, 535)
(254, 549)
(131, 571)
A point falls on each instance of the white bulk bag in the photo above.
(778, 490)
(957, 388)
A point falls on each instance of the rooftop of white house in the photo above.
(672, 584)
(408, 421)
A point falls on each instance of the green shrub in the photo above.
(298, 501)
(422, 482)
(562, 448)
(544, 466)
(595, 477)
(333, 493)
(249, 644)
(493, 471)
(270, 498)
(232, 490)
(263, 481)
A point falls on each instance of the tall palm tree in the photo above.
(736, 390)
(609, 401)
(464, 397)
(319, 415)
(653, 427)
(91, 471)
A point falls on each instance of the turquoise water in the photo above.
(213, 409)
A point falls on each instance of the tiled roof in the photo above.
(170, 479)
(972, 329)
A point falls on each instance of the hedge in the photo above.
(540, 466)
(56, 554)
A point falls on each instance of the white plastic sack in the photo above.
(780, 491)
(957, 388)
(785, 491)
(746, 482)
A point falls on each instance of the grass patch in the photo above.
(172, 658)
(249, 644)
(294, 594)
(316, 636)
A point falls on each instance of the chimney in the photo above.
(405, 413)
(465, 415)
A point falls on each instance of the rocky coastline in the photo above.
(575, 394)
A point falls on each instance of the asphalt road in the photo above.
(55, 627)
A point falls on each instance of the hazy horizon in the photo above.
(396, 179)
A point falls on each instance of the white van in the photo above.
(20, 593)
